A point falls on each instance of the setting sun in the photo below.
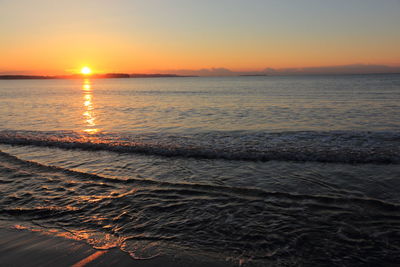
(86, 71)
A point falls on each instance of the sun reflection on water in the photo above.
(89, 115)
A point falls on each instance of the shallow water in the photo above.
(256, 170)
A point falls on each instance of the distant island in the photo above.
(253, 75)
(93, 76)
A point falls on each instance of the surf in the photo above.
(331, 147)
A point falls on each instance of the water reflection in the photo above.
(89, 115)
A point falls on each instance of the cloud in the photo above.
(213, 72)
(342, 69)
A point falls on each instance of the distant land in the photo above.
(252, 75)
(353, 69)
(93, 76)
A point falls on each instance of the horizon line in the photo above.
(121, 76)
(222, 71)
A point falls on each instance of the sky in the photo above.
(59, 37)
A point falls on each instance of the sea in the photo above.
(257, 171)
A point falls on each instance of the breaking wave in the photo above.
(334, 147)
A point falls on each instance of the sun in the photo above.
(86, 71)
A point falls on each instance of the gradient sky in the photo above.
(59, 37)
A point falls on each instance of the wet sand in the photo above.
(25, 248)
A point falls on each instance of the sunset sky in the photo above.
(60, 37)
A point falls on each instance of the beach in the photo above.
(26, 248)
(200, 171)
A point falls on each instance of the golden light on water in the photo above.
(86, 87)
(89, 116)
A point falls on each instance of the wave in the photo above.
(191, 189)
(331, 147)
(244, 222)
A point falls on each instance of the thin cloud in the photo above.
(342, 69)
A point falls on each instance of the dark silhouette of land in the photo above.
(253, 75)
(93, 76)
(138, 75)
(354, 69)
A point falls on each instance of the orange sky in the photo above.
(59, 37)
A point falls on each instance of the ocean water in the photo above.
(301, 170)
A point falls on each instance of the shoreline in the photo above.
(26, 248)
